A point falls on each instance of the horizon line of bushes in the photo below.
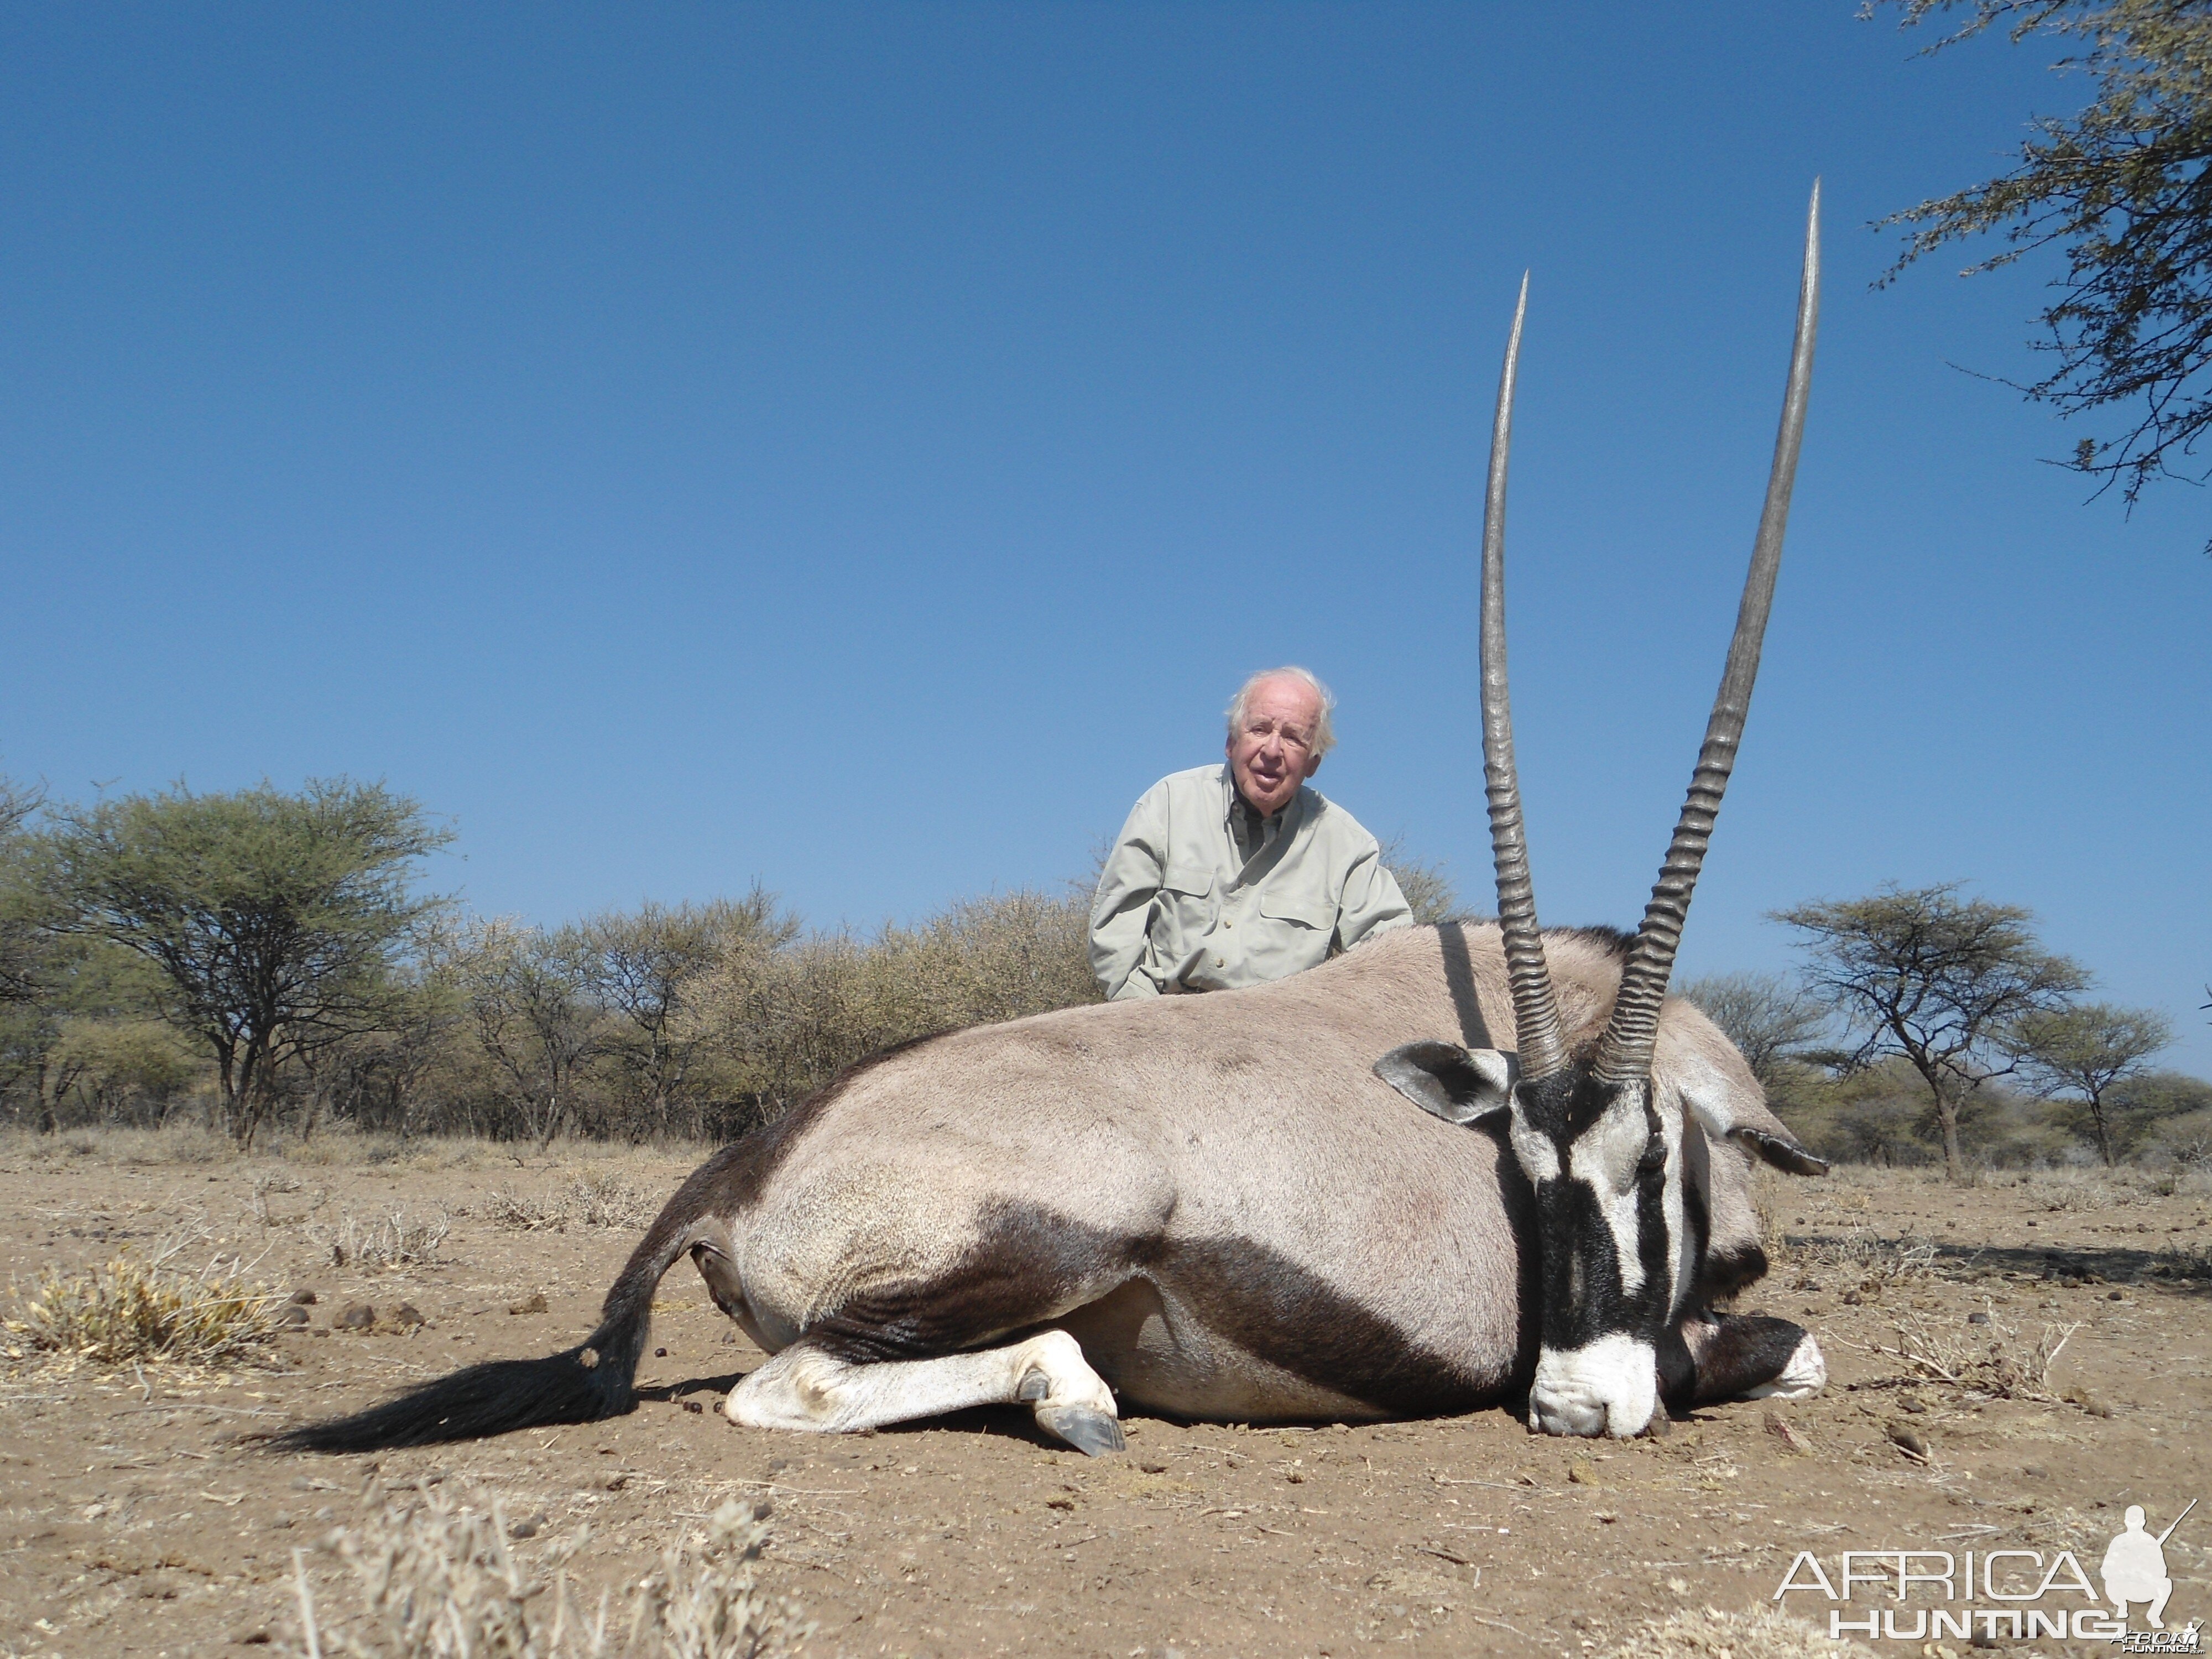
(263, 961)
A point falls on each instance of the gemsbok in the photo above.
(1222, 1206)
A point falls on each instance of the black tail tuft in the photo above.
(582, 1385)
(483, 1400)
(585, 1383)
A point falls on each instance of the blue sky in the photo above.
(860, 447)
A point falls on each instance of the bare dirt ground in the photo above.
(131, 1521)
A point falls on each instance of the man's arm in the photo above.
(1122, 906)
(1372, 902)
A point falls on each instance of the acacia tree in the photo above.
(1939, 980)
(527, 993)
(641, 967)
(24, 905)
(273, 920)
(2084, 1051)
(2124, 191)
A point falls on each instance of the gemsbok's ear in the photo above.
(1455, 1084)
(1783, 1152)
(1727, 1113)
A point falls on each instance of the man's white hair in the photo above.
(1324, 729)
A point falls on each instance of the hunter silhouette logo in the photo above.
(2135, 1567)
(1989, 1596)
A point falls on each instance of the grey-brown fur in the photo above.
(1235, 1217)
(1173, 1126)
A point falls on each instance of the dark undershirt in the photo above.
(1251, 832)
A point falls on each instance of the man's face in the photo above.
(1272, 752)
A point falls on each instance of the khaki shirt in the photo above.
(1180, 907)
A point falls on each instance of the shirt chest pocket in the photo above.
(1301, 909)
(1187, 903)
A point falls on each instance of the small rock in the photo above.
(292, 1313)
(1778, 1426)
(1906, 1403)
(358, 1317)
(528, 1527)
(1584, 1473)
(305, 1299)
(534, 1303)
(253, 1636)
(1977, 1319)
(407, 1317)
(660, 1353)
(616, 1482)
(2118, 1296)
(2088, 1402)
(1907, 1441)
(693, 1405)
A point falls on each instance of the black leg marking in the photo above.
(1713, 1356)
(1031, 1266)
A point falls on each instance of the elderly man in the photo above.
(1233, 875)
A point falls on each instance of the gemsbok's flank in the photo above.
(1222, 1206)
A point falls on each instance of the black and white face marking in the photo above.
(1606, 1170)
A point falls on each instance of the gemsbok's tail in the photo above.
(581, 1384)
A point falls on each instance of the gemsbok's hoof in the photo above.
(1804, 1376)
(1091, 1432)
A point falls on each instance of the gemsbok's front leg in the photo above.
(807, 1387)
(1710, 1357)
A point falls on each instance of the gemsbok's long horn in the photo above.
(1624, 1053)
(1535, 1011)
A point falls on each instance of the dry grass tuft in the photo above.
(178, 1143)
(603, 1198)
(1990, 1361)
(1709, 1633)
(134, 1309)
(1865, 1266)
(439, 1578)
(2192, 1263)
(393, 1241)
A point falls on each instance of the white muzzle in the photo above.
(1609, 1387)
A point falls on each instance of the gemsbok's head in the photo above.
(1604, 1158)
